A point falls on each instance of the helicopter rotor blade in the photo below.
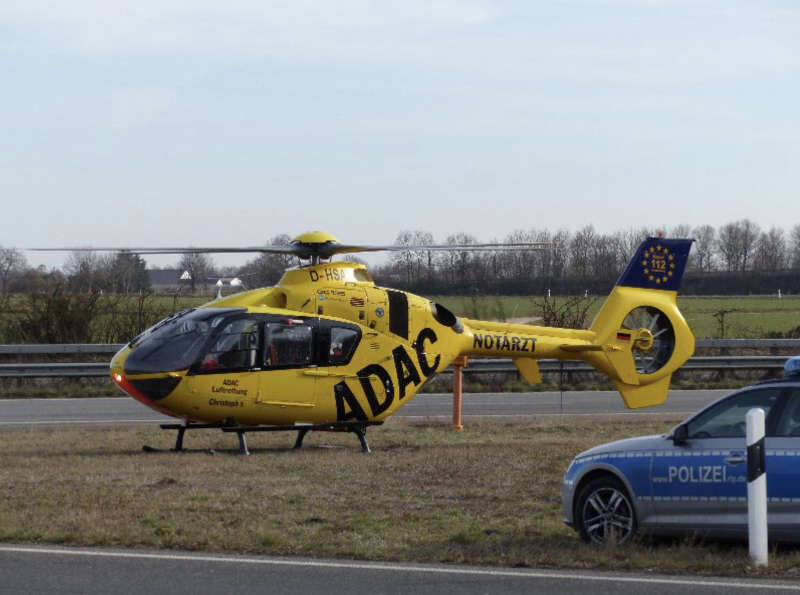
(294, 250)
(305, 250)
(326, 250)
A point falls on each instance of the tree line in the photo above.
(89, 272)
(738, 257)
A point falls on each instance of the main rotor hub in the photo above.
(315, 238)
(314, 243)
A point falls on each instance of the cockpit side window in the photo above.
(726, 419)
(343, 343)
(287, 345)
(789, 422)
(234, 348)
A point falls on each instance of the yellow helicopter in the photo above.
(327, 349)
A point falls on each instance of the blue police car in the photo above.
(694, 478)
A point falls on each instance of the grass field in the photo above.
(487, 495)
(744, 317)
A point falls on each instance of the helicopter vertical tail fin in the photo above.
(644, 336)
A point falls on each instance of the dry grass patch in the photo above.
(488, 495)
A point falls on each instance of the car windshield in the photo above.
(176, 342)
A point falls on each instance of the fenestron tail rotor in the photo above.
(653, 338)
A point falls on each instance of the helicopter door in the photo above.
(336, 346)
(227, 371)
(287, 390)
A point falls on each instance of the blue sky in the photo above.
(191, 123)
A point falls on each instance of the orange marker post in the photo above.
(458, 364)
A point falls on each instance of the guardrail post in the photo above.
(756, 487)
(458, 364)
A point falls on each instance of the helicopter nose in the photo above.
(118, 361)
(146, 390)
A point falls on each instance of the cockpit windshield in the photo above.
(176, 342)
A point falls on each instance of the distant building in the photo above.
(166, 279)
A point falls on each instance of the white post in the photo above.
(756, 487)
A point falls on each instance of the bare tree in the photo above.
(88, 271)
(559, 254)
(794, 247)
(12, 265)
(628, 241)
(424, 258)
(517, 264)
(729, 246)
(569, 312)
(128, 273)
(581, 249)
(267, 269)
(404, 259)
(548, 263)
(682, 230)
(736, 243)
(605, 256)
(415, 264)
(701, 258)
(770, 251)
(457, 264)
(750, 235)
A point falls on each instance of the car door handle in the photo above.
(735, 459)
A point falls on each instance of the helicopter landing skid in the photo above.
(187, 425)
(357, 428)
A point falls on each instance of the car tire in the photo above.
(604, 512)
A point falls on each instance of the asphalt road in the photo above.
(33, 570)
(126, 410)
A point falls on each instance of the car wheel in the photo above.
(605, 512)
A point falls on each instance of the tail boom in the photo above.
(497, 339)
(638, 338)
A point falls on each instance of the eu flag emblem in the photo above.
(659, 264)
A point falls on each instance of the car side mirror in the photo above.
(681, 434)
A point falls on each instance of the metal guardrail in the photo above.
(755, 362)
(111, 348)
(476, 365)
(749, 343)
(57, 369)
(61, 349)
(54, 370)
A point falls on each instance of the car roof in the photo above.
(794, 379)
